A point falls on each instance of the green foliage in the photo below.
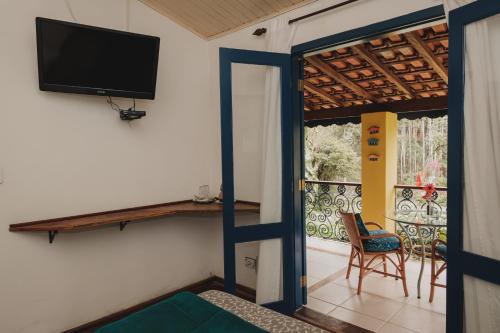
(333, 153)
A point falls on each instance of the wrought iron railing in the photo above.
(323, 201)
(409, 200)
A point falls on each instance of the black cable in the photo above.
(126, 114)
(116, 107)
(113, 105)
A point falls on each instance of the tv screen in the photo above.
(81, 59)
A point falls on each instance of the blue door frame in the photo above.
(461, 262)
(281, 229)
(370, 31)
(293, 148)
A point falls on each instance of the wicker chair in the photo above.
(368, 248)
(438, 253)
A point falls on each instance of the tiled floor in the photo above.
(381, 307)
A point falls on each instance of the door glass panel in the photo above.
(482, 303)
(259, 266)
(257, 140)
(482, 138)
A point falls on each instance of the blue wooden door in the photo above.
(242, 89)
(474, 262)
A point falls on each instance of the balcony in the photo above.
(328, 252)
(324, 200)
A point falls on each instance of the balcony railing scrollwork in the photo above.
(409, 202)
(324, 200)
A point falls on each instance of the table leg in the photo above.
(422, 260)
(410, 240)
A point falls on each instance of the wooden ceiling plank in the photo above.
(208, 9)
(248, 8)
(175, 16)
(205, 18)
(424, 50)
(321, 93)
(238, 7)
(213, 19)
(274, 5)
(221, 8)
(258, 9)
(193, 16)
(413, 105)
(384, 69)
(328, 70)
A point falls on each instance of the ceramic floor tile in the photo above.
(387, 287)
(375, 306)
(357, 319)
(319, 305)
(381, 298)
(391, 328)
(321, 271)
(311, 280)
(438, 304)
(333, 293)
(419, 320)
(331, 246)
(352, 282)
(324, 256)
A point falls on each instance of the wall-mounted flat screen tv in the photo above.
(81, 59)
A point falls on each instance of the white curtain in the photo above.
(481, 165)
(270, 268)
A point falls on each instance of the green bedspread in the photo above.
(182, 313)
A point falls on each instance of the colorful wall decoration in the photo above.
(374, 129)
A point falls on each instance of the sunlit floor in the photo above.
(382, 306)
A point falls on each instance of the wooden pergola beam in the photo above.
(331, 72)
(413, 105)
(421, 46)
(321, 93)
(384, 69)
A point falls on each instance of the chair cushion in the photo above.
(363, 231)
(380, 244)
(442, 250)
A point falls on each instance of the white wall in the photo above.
(67, 154)
(70, 154)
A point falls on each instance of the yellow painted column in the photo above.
(378, 177)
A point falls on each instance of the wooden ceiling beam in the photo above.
(384, 69)
(425, 51)
(414, 105)
(331, 72)
(321, 93)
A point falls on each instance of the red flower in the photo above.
(429, 191)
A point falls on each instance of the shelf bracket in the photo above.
(123, 225)
(52, 235)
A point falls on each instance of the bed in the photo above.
(209, 312)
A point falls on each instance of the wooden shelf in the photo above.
(123, 216)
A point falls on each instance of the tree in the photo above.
(334, 152)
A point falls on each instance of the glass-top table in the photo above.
(418, 226)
